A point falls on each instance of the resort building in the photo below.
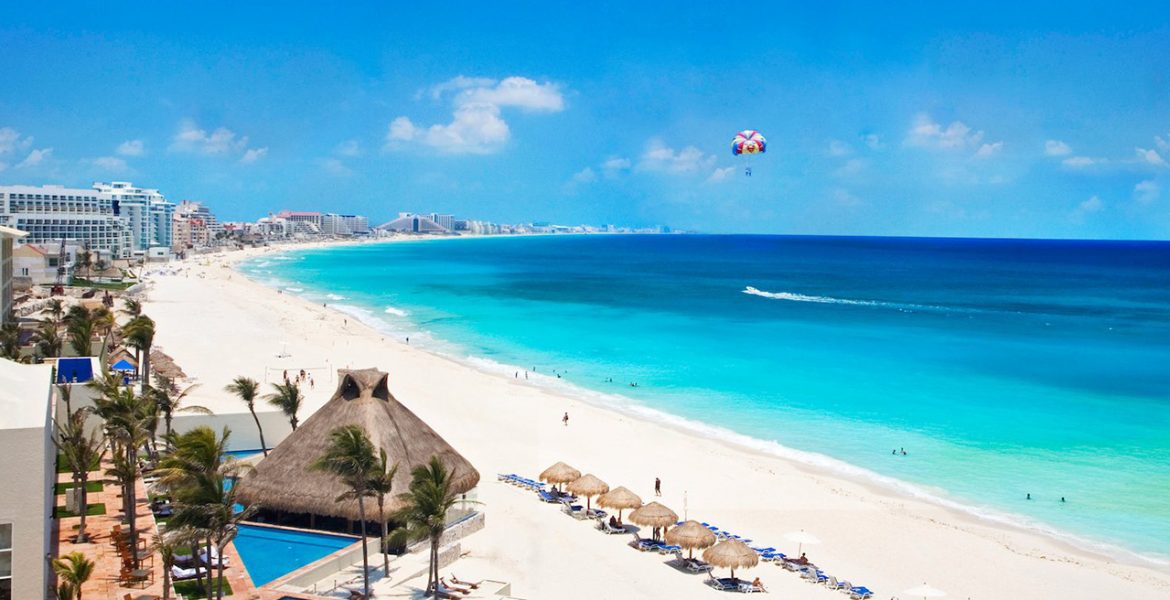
(38, 264)
(412, 223)
(445, 221)
(303, 222)
(335, 224)
(7, 236)
(51, 213)
(194, 226)
(28, 472)
(147, 212)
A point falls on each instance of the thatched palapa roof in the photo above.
(283, 481)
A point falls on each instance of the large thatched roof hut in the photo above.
(284, 482)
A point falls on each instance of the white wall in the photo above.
(25, 499)
(243, 428)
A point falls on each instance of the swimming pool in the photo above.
(269, 553)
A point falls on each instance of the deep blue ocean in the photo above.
(1003, 367)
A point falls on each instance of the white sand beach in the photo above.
(217, 325)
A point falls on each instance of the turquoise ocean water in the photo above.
(1003, 367)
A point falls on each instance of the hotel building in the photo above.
(52, 212)
(149, 214)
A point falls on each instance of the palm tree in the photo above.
(288, 399)
(197, 471)
(166, 545)
(10, 340)
(350, 457)
(80, 325)
(128, 420)
(131, 307)
(48, 338)
(56, 308)
(425, 511)
(75, 569)
(81, 451)
(84, 260)
(246, 388)
(381, 484)
(140, 335)
(168, 398)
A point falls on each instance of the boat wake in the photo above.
(793, 297)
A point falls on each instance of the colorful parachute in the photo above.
(748, 141)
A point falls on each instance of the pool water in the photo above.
(269, 553)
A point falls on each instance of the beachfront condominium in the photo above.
(335, 224)
(194, 225)
(147, 211)
(28, 472)
(52, 212)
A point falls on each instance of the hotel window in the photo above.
(5, 561)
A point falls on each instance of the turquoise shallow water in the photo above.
(1004, 368)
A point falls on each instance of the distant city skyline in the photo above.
(986, 120)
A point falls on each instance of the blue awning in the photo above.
(123, 365)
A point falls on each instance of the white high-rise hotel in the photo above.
(115, 219)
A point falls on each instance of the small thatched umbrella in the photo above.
(559, 473)
(691, 535)
(619, 498)
(588, 486)
(732, 554)
(654, 515)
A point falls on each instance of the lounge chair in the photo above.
(860, 592)
(726, 584)
(180, 574)
(474, 586)
(596, 513)
(606, 528)
(573, 510)
(668, 549)
(548, 497)
(695, 565)
(646, 545)
(749, 587)
(773, 556)
(832, 583)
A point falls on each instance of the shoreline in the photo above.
(816, 463)
(867, 487)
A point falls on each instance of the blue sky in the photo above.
(985, 120)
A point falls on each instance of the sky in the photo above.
(980, 119)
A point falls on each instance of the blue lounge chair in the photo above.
(547, 497)
(695, 565)
(647, 545)
(724, 585)
(668, 549)
(860, 592)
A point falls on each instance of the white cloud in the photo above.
(1081, 162)
(616, 163)
(477, 126)
(584, 176)
(927, 133)
(1088, 207)
(348, 148)
(190, 138)
(660, 157)
(839, 148)
(11, 141)
(1150, 156)
(334, 166)
(720, 174)
(1147, 191)
(110, 163)
(131, 148)
(253, 154)
(35, 158)
(1056, 148)
(989, 150)
(851, 167)
(1163, 143)
(873, 140)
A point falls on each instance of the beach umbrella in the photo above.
(732, 554)
(691, 535)
(801, 538)
(654, 515)
(559, 473)
(619, 498)
(588, 486)
(924, 591)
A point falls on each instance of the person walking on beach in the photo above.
(657, 486)
(565, 419)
